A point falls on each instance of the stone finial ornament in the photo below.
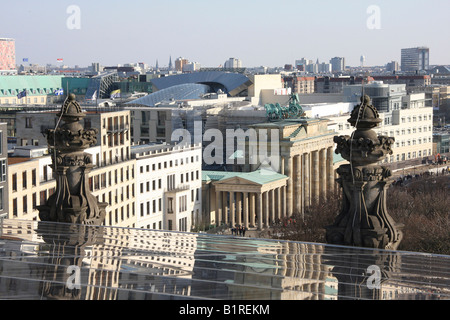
(72, 200)
(364, 220)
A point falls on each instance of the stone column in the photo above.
(284, 196)
(259, 207)
(272, 207)
(239, 208)
(323, 173)
(266, 209)
(232, 209)
(226, 207)
(307, 179)
(252, 209)
(290, 185)
(330, 171)
(279, 204)
(246, 211)
(315, 176)
(297, 183)
(218, 208)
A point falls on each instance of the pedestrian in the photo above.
(243, 231)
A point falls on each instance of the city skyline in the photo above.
(258, 33)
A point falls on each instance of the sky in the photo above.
(258, 32)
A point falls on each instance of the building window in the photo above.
(15, 207)
(33, 177)
(43, 197)
(34, 201)
(169, 205)
(25, 204)
(24, 179)
(1, 199)
(14, 182)
(28, 123)
(2, 170)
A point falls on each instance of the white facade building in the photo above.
(168, 180)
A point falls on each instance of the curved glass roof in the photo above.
(186, 91)
(230, 82)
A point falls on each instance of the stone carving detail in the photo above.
(72, 201)
(364, 220)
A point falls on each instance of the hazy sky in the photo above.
(259, 32)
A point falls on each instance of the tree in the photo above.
(422, 205)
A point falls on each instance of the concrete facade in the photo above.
(168, 180)
(3, 170)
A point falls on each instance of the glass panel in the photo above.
(41, 260)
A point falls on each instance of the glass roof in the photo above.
(230, 81)
(42, 260)
(188, 91)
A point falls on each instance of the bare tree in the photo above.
(422, 205)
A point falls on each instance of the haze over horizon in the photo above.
(259, 33)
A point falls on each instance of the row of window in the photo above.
(413, 142)
(171, 185)
(116, 217)
(150, 207)
(168, 164)
(43, 196)
(43, 178)
(425, 117)
(411, 130)
(155, 206)
(120, 194)
(29, 100)
(107, 179)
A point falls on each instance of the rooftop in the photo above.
(261, 176)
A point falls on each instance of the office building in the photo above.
(3, 170)
(111, 180)
(180, 63)
(392, 66)
(337, 64)
(169, 182)
(7, 56)
(233, 63)
(415, 59)
(406, 117)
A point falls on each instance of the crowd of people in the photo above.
(238, 231)
(400, 181)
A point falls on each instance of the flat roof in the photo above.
(261, 176)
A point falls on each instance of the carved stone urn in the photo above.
(72, 200)
(364, 220)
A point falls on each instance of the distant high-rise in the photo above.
(392, 66)
(233, 63)
(415, 59)
(7, 56)
(337, 64)
(180, 63)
